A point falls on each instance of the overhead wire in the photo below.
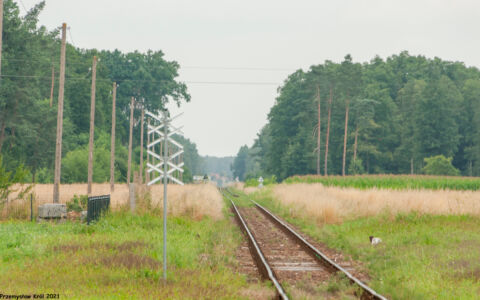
(152, 81)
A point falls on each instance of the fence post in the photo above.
(132, 197)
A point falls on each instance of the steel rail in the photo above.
(317, 254)
(257, 252)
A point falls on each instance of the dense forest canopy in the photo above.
(28, 113)
(396, 113)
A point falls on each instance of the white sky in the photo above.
(270, 34)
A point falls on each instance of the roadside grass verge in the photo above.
(393, 182)
(422, 256)
(121, 257)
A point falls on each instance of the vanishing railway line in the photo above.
(283, 256)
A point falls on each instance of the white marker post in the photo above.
(159, 136)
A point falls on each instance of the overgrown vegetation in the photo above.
(394, 182)
(441, 248)
(120, 256)
(13, 182)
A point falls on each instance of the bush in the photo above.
(78, 203)
(8, 181)
(440, 165)
(356, 167)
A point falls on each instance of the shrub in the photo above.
(440, 165)
(78, 203)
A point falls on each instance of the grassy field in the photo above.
(120, 257)
(393, 182)
(422, 256)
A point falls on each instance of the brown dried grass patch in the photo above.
(193, 200)
(333, 204)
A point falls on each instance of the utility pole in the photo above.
(147, 175)
(166, 158)
(52, 86)
(141, 145)
(58, 145)
(92, 126)
(112, 143)
(318, 131)
(130, 142)
(345, 136)
(330, 98)
(1, 31)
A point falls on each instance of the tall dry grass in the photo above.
(333, 204)
(194, 201)
(247, 190)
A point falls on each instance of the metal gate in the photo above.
(96, 207)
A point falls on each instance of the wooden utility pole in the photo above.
(58, 145)
(345, 136)
(318, 131)
(130, 141)
(328, 130)
(52, 86)
(1, 31)
(112, 143)
(355, 145)
(141, 145)
(92, 126)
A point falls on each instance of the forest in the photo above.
(387, 116)
(28, 101)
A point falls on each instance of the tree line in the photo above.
(28, 95)
(384, 116)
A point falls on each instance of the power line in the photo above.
(238, 68)
(152, 81)
(71, 37)
(23, 5)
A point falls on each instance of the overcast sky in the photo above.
(256, 44)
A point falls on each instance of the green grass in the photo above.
(120, 257)
(421, 256)
(395, 182)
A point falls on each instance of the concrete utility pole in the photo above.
(112, 143)
(58, 146)
(130, 142)
(141, 144)
(92, 126)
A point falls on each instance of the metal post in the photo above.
(165, 178)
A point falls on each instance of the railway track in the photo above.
(283, 256)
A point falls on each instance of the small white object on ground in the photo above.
(375, 240)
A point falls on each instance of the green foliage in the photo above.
(8, 181)
(396, 182)
(77, 203)
(28, 120)
(356, 167)
(239, 165)
(402, 109)
(440, 165)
